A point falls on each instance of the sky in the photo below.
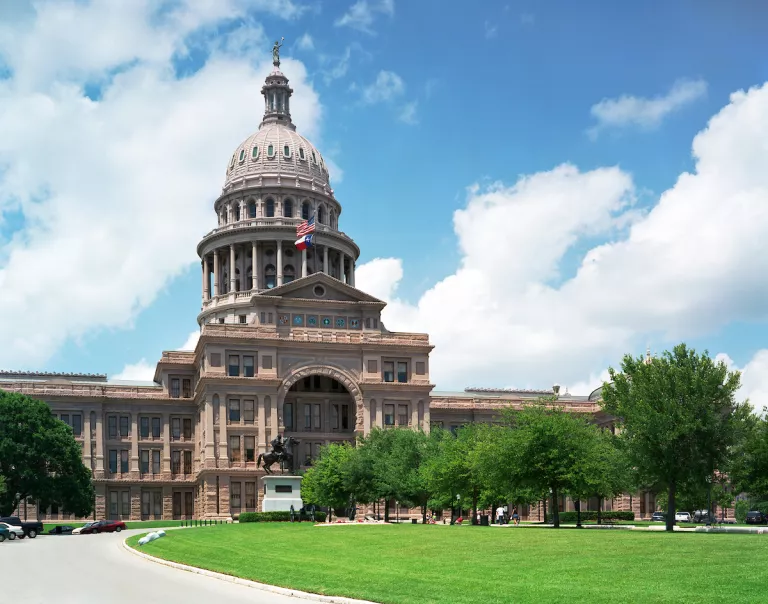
(542, 187)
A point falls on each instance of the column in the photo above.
(254, 266)
(206, 279)
(134, 442)
(273, 420)
(352, 272)
(366, 416)
(100, 442)
(215, 272)
(262, 424)
(209, 453)
(279, 263)
(223, 439)
(87, 438)
(232, 267)
(380, 413)
(166, 458)
(342, 259)
(304, 262)
(325, 260)
(426, 415)
(414, 414)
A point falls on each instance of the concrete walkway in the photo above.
(91, 569)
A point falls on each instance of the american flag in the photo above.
(306, 227)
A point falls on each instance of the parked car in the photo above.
(31, 529)
(755, 517)
(15, 531)
(103, 526)
(4, 534)
(659, 517)
(79, 530)
(61, 529)
(682, 516)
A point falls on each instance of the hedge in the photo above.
(277, 517)
(604, 516)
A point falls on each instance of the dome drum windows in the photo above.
(288, 208)
(270, 208)
(305, 210)
(255, 152)
(271, 151)
(301, 153)
(242, 156)
(286, 151)
(251, 209)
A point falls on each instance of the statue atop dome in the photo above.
(276, 52)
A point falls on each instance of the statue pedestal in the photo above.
(279, 493)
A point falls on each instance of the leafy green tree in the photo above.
(678, 417)
(326, 483)
(750, 468)
(40, 458)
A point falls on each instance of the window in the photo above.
(176, 504)
(335, 417)
(113, 461)
(145, 463)
(77, 425)
(146, 503)
(250, 448)
(248, 411)
(187, 462)
(176, 462)
(251, 209)
(289, 273)
(314, 158)
(175, 389)
(316, 382)
(250, 495)
(241, 159)
(112, 426)
(305, 210)
(288, 416)
(269, 277)
(263, 318)
(234, 365)
(373, 366)
(321, 215)
(286, 151)
(155, 462)
(316, 416)
(175, 428)
(113, 495)
(389, 371)
(157, 504)
(248, 366)
(345, 417)
(234, 411)
(389, 415)
(288, 208)
(123, 426)
(186, 388)
(270, 208)
(234, 448)
(301, 153)
(144, 427)
(307, 417)
(187, 428)
(402, 371)
(242, 319)
(402, 415)
(124, 461)
(189, 504)
(271, 151)
(255, 152)
(155, 427)
(235, 502)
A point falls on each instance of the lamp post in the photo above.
(458, 504)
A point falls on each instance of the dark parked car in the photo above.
(756, 517)
(659, 517)
(61, 529)
(31, 529)
(104, 526)
(4, 534)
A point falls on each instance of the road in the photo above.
(85, 569)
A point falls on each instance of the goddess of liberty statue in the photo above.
(276, 52)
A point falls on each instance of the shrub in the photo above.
(278, 517)
(568, 517)
(740, 510)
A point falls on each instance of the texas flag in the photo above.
(304, 242)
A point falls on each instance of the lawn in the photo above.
(455, 565)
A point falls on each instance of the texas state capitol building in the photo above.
(287, 345)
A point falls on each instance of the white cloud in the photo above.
(754, 379)
(387, 86)
(685, 268)
(408, 113)
(337, 67)
(138, 372)
(306, 42)
(362, 14)
(491, 29)
(116, 192)
(642, 112)
(191, 341)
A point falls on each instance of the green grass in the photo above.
(455, 565)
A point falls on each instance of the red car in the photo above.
(104, 526)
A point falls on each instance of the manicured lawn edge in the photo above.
(238, 581)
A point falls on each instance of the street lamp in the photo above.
(458, 504)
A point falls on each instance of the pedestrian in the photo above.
(515, 516)
(500, 515)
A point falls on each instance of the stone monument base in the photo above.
(279, 493)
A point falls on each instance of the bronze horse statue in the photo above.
(282, 452)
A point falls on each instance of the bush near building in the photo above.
(277, 517)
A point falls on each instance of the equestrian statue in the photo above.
(282, 452)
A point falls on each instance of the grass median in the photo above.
(455, 565)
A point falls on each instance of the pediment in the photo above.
(306, 288)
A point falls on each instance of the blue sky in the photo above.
(425, 108)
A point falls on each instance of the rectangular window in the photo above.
(307, 417)
(189, 505)
(266, 361)
(146, 503)
(113, 461)
(316, 450)
(113, 512)
(235, 502)
(157, 503)
(234, 411)
(77, 425)
(145, 463)
(176, 462)
(186, 388)
(334, 417)
(93, 455)
(316, 416)
(155, 462)
(155, 427)
(263, 317)
(402, 415)
(124, 426)
(187, 462)
(175, 428)
(402, 371)
(248, 366)
(288, 416)
(112, 427)
(125, 505)
(188, 428)
(175, 387)
(176, 504)
(248, 412)
(144, 427)
(124, 461)
(373, 366)
(250, 448)
(242, 319)
(269, 320)
(250, 496)
(65, 418)
(234, 365)
(345, 417)
(389, 371)
(389, 415)
(234, 448)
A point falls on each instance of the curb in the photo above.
(283, 591)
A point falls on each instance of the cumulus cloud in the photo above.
(628, 110)
(114, 189)
(684, 268)
(362, 14)
(191, 341)
(137, 372)
(386, 87)
(754, 379)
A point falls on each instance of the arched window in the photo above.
(215, 405)
(271, 151)
(288, 208)
(314, 159)
(232, 162)
(242, 156)
(332, 220)
(321, 214)
(236, 211)
(301, 153)
(270, 208)
(305, 210)
(289, 273)
(270, 276)
(251, 209)
(255, 153)
(223, 218)
(286, 151)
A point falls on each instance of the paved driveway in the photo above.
(85, 569)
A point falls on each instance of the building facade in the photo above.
(288, 345)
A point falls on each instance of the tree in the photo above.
(326, 483)
(678, 417)
(750, 467)
(40, 458)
